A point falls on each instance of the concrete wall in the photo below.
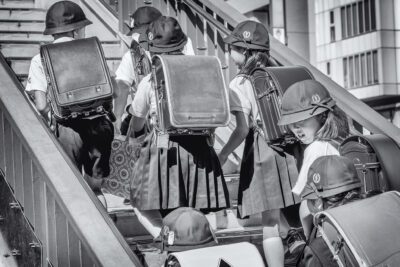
(296, 19)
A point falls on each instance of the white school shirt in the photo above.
(241, 97)
(313, 151)
(144, 102)
(125, 70)
(37, 77)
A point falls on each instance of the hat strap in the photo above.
(314, 188)
(323, 104)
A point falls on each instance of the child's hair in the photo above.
(342, 198)
(334, 125)
(254, 59)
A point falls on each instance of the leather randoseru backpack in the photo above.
(191, 95)
(269, 84)
(79, 82)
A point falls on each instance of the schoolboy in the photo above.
(86, 142)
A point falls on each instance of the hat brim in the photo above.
(167, 48)
(231, 39)
(308, 193)
(287, 119)
(67, 28)
(178, 248)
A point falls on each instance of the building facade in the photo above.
(355, 42)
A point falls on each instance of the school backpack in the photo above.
(363, 232)
(376, 158)
(269, 84)
(190, 93)
(79, 82)
(141, 62)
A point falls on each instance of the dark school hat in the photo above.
(329, 176)
(65, 16)
(303, 100)
(142, 18)
(187, 228)
(250, 35)
(164, 35)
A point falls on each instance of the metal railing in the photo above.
(72, 225)
(206, 22)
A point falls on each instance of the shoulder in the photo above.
(321, 147)
(240, 82)
(36, 61)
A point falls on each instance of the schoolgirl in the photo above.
(266, 175)
(312, 116)
(185, 171)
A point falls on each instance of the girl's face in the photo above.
(237, 54)
(306, 130)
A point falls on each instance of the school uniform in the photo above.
(266, 176)
(68, 133)
(313, 151)
(184, 172)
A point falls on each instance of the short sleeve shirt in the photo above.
(37, 77)
(144, 102)
(241, 97)
(125, 70)
(313, 151)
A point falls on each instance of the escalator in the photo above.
(71, 226)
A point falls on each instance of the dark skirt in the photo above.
(186, 174)
(266, 177)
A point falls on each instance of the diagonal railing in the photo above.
(72, 225)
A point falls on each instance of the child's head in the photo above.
(164, 36)
(331, 180)
(142, 18)
(310, 113)
(187, 228)
(248, 45)
(66, 18)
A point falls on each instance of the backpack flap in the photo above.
(269, 84)
(78, 77)
(191, 93)
(351, 228)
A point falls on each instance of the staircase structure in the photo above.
(71, 226)
(21, 34)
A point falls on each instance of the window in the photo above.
(351, 72)
(375, 66)
(344, 21)
(358, 18)
(357, 80)
(367, 15)
(361, 69)
(345, 77)
(328, 68)
(332, 27)
(363, 63)
(349, 21)
(355, 18)
(333, 34)
(361, 17)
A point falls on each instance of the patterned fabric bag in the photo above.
(124, 153)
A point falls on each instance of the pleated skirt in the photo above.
(266, 178)
(186, 174)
